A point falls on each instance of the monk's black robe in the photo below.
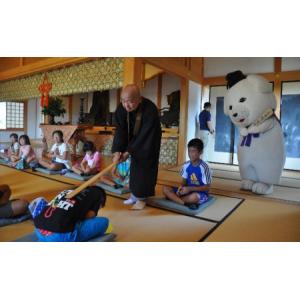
(143, 147)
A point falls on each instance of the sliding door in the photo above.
(221, 145)
(290, 121)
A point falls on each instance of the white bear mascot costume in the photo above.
(250, 104)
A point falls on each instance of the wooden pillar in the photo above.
(277, 84)
(25, 120)
(133, 71)
(184, 96)
(159, 90)
(70, 104)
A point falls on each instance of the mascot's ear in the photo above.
(234, 77)
(260, 84)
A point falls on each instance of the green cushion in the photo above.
(77, 177)
(160, 202)
(111, 189)
(46, 171)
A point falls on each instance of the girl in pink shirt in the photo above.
(26, 154)
(90, 165)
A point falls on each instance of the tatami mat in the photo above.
(260, 221)
(220, 208)
(28, 186)
(153, 225)
(256, 219)
(166, 177)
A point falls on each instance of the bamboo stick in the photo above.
(90, 181)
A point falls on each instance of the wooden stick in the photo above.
(90, 181)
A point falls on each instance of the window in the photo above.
(290, 118)
(12, 115)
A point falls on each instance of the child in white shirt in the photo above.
(59, 156)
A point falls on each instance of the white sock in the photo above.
(129, 201)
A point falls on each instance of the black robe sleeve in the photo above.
(146, 144)
(120, 140)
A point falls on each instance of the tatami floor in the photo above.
(251, 218)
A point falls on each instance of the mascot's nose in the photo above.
(235, 115)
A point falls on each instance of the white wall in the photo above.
(150, 90)
(170, 84)
(194, 108)
(34, 119)
(290, 63)
(220, 66)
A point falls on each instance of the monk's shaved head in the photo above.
(131, 90)
(130, 97)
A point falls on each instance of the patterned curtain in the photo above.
(97, 75)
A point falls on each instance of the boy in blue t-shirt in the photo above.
(196, 179)
(119, 177)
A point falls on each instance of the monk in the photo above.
(138, 135)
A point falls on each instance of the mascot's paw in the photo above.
(262, 188)
(244, 131)
(247, 185)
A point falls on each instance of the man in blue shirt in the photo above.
(205, 127)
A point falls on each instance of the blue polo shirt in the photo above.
(204, 117)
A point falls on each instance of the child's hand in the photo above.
(184, 190)
(116, 157)
(124, 156)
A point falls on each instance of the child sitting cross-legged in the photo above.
(70, 220)
(13, 149)
(26, 157)
(59, 156)
(119, 176)
(90, 165)
(196, 177)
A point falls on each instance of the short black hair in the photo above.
(26, 139)
(60, 134)
(89, 146)
(14, 135)
(196, 143)
(207, 105)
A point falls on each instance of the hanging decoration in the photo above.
(44, 88)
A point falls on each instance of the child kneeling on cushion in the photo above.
(70, 220)
(196, 179)
(119, 175)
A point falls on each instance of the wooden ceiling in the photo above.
(13, 67)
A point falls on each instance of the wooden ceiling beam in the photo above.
(42, 65)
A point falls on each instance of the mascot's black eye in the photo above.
(230, 107)
(242, 99)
